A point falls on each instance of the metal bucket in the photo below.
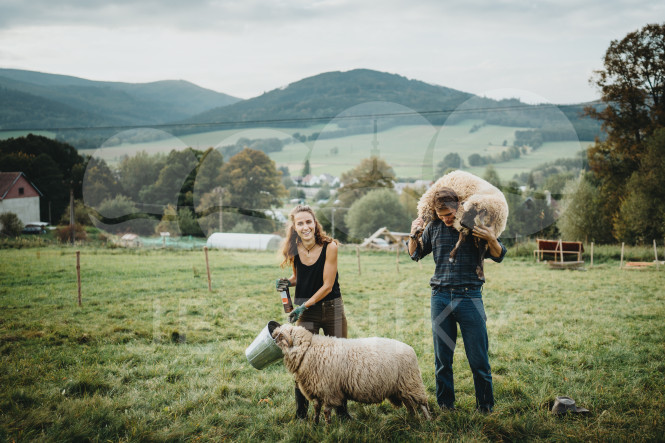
(263, 349)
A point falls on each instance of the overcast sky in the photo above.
(536, 50)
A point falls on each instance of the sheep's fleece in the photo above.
(474, 193)
(329, 370)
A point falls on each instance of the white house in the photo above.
(19, 196)
(400, 186)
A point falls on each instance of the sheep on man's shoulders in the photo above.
(481, 203)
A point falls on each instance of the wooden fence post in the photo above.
(591, 255)
(78, 274)
(358, 255)
(205, 249)
(561, 250)
(621, 263)
(397, 259)
(655, 253)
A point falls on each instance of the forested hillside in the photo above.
(52, 101)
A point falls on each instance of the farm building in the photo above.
(261, 242)
(19, 196)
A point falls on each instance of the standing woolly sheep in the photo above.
(481, 203)
(329, 370)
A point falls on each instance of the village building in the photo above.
(20, 196)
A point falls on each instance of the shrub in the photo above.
(379, 208)
(64, 233)
(11, 224)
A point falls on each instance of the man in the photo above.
(456, 299)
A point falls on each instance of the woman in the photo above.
(312, 255)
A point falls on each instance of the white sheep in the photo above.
(329, 370)
(480, 203)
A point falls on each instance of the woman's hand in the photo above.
(282, 284)
(296, 313)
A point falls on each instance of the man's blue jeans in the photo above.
(463, 306)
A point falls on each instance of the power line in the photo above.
(294, 119)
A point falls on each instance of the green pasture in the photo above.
(113, 153)
(412, 150)
(152, 355)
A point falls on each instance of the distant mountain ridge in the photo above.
(323, 97)
(331, 93)
(34, 99)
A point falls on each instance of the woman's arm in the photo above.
(293, 279)
(329, 274)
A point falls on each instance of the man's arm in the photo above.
(496, 250)
(416, 226)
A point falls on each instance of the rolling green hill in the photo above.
(354, 99)
(327, 95)
(40, 100)
(330, 106)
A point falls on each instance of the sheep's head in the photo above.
(294, 341)
(471, 214)
(288, 337)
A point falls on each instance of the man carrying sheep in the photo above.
(456, 298)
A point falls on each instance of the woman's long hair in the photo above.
(290, 245)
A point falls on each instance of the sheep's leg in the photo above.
(317, 411)
(327, 412)
(342, 411)
(482, 247)
(425, 410)
(460, 240)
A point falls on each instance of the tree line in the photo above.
(621, 198)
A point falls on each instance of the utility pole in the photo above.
(375, 143)
(71, 212)
(220, 191)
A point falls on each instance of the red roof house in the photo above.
(19, 196)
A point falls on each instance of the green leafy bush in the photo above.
(11, 224)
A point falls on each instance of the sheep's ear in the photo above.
(283, 340)
(482, 215)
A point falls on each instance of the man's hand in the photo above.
(417, 226)
(484, 232)
(296, 313)
(282, 284)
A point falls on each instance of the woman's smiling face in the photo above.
(305, 226)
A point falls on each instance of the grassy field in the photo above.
(408, 149)
(151, 355)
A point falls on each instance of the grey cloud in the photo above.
(194, 14)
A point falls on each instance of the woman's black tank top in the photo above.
(310, 279)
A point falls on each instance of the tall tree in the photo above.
(632, 84)
(49, 164)
(641, 216)
(139, 172)
(371, 173)
(171, 185)
(251, 181)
